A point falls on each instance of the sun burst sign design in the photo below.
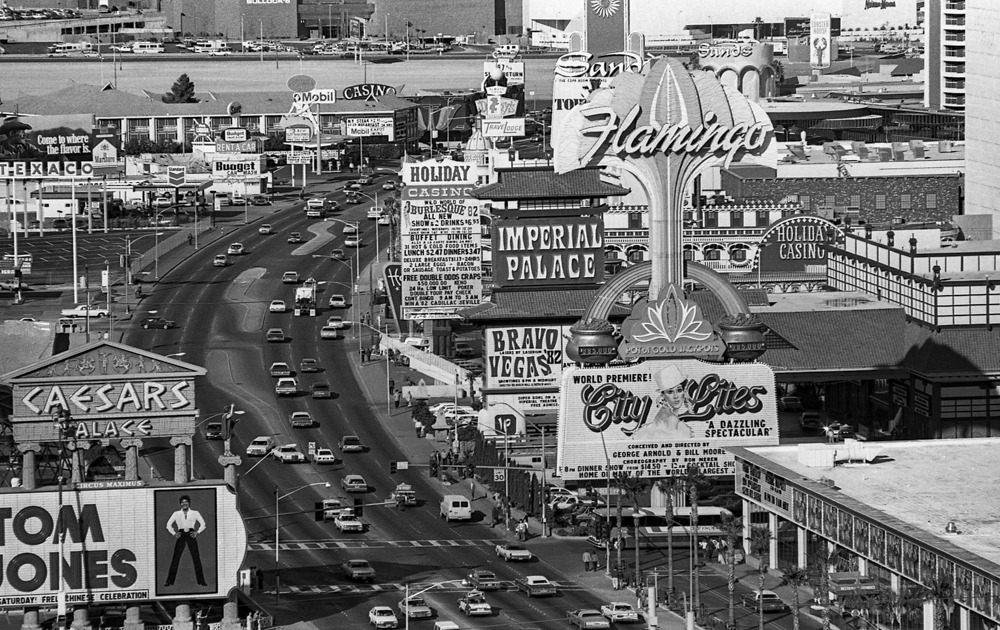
(605, 8)
(671, 327)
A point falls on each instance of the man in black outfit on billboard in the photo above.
(185, 524)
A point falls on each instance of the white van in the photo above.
(421, 343)
(455, 507)
(211, 47)
(147, 48)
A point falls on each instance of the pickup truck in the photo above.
(536, 585)
(358, 570)
(82, 310)
(509, 551)
(587, 619)
(767, 600)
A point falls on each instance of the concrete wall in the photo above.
(982, 118)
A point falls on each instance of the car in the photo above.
(324, 455)
(163, 202)
(361, 571)
(766, 601)
(568, 503)
(352, 187)
(236, 249)
(277, 306)
(536, 585)
(790, 403)
(321, 390)
(415, 607)
(351, 444)
(157, 322)
(280, 368)
(350, 228)
(219, 53)
(332, 508)
(365, 181)
(554, 492)
(294, 238)
(389, 186)
(221, 260)
(353, 241)
(385, 219)
(619, 612)
(286, 387)
(309, 365)
(338, 301)
(260, 446)
(288, 454)
(83, 310)
(260, 200)
(213, 431)
(265, 229)
(587, 619)
(337, 254)
(332, 205)
(374, 212)
(348, 522)
(464, 350)
(290, 277)
(328, 332)
(474, 604)
(839, 431)
(354, 483)
(300, 420)
(810, 420)
(275, 335)
(335, 321)
(483, 580)
(382, 617)
(510, 551)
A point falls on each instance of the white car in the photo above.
(353, 241)
(620, 612)
(374, 212)
(348, 523)
(335, 321)
(277, 306)
(290, 277)
(323, 455)
(265, 229)
(350, 228)
(236, 249)
(389, 186)
(328, 332)
(354, 483)
(474, 603)
(383, 617)
(415, 608)
(219, 53)
(385, 219)
(566, 503)
(288, 454)
(221, 260)
(280, 368)
(286, 387)
(261, 446)
(338, 301)
(82, 310)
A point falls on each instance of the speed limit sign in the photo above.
(499, 474)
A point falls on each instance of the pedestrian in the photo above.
(395, 398)
(392, 385)
(368, 354)
(259, 576)
(362, 353)
(409, 400)
(190, 239)
(586, 560)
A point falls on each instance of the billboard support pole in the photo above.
(76, 268)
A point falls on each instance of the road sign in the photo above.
(176, 175)
(499, 474)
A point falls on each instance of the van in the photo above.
(316, 208)
(421, 343)
(147, 48)
(77, 48)
(455, 507)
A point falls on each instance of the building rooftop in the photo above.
(826, 301)
(917, 487)
(791, 152)
(542, 182)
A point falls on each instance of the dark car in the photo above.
(213, 431)
(157, 322)
(260, 200)
(810, 420)
(321, 390)
(790, 403)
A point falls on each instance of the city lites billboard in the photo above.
(524, 356)
(657, 418)
(548, 252)
(122, 545)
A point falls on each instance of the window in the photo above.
(904, 202)
(806, 203)
(711, 219)
(736, 219)
(880, 202)
(763, 218)
(738, 254)
(636, 255)
(713, 253)
(856, 201)
(932, 201)
(635, 220)
(831, 200)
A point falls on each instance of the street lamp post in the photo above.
(277, 534)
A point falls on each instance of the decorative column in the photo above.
(772, 547)
(801, 546)
(230, 617)
(182, 617)
(133, 620)
(229, 462)
(182, 446)
(76, 450)
(30, 621)
(29, 471)
(132, 446)
(80, 619)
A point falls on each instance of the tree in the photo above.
(795, 577)
(669, 487)
(182, 91)
(422, 414)
(822, 567)
(732, 527)
(694, 480)
(633, 487)
(939, 593)
(760, 546)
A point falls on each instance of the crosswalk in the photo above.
(321, 545)
(452, 586)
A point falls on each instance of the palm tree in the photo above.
(823, 562)
(732, 527)
(633, 487)
(795, 577)
(694, 480)
(939, 592)
(760, 546)
(669, 486)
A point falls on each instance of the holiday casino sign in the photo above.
(440, 240)
(656, 418)
(551, 251)
(797, 244)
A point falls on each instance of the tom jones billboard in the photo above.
(659, 417)
(121, 545)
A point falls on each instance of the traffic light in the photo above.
(359, 508)
(318, 514)
(472, 471)
(392, 468)
(434, 466)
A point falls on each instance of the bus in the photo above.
(654, 529)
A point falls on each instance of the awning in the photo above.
(872, 121)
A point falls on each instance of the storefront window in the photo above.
(787, 544)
